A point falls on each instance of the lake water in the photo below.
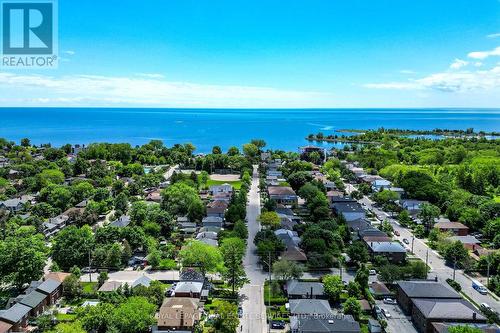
(283, 129)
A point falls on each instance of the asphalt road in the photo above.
(254, 310)
(434, 260)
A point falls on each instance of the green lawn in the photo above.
(65, 317)
(89, 287)
(236, 184)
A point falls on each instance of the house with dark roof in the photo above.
(36, 301)
(17, 316)
(393, 251)
(296, 289)
(191, 289)
(52, 289)
(300, 307)
(427, 311)
(379, 290)
(121, 222)
(332, 324)
(217, 208)
(406, 291)
(349, 210)
(213, 221)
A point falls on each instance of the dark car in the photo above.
(240, 312)
(278, 324)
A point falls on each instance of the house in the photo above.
(301, 307)
(154, 196)
(52, 289)
(427, 311)
(213, 221)
(298, 289)
(381, 184)
(224, 188)
(393, 251)
(217, 208)
(292, 251)
(411, 205)
(36, 301)
(374, 326)
(110, 286)
(349, 210)
(208, 237)
(399, 191)
(456, 228)
(4, 326)
(58, 276)
(282, 195)
(13, 174)
(332, 324)
(407, 291)
(178, 314)
(191, 274)
(121, 222)
(470, 242)
(17, 316)
(190, 289)
(17, 204)
(358, 225)
(379, 290)
(221, 196)
(142, 281)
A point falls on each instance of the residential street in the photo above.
(254, 310)
(435, 261)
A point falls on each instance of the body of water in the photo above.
(280, 128)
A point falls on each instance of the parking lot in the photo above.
(398, 322)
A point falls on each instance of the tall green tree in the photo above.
(198, 254)
(71, 247)
(233, 251)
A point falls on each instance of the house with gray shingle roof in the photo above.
(406, 291)
(17, 316)
(51, 288)
(301, 289)
(393, 251)
(309, 307)
(333, 324)
(36, 301)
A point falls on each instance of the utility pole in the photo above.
(426, 264)
(412, 242)
(454, 268)
(269, 287)
(90, 269)
(488, 273)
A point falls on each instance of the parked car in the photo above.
(386, 313)
(87, 270)
(397, 233)
(485, 306)
(278, 324)
(372, 272)
(406, 241)
(240, 312)
(389, 301)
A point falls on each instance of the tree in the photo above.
(96, 318)
(216, 150)
(428, 214)
(25, 142)
(114, 257)
(22, 257)
(419, 231)
(72, 245)
(233, 251)
(240, 229)
(362, 277)
(250, 150)
(103, 277)
(270, 219)
(464, 329)
(72, 287)
(179, 198)
(404, 218)
(354, 289)
(455, 252)
(259, 143)
(358, 253)
(299, 179)
(121, 202)
(134, 316)
(154, 258)
(227, 319)
(233, 151)
(333, 287)
(204, 256)
(74, 327)
(352, 307)
(285, 270)
(50, 176)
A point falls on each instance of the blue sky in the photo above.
(273, 53)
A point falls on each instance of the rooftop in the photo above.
(295, 287)
(335, 324)
(427, 289)
(14, 314)
(33, 299)
(458, 309)
(281, 190)
(310, 306)
(49, 286)
(450, 225)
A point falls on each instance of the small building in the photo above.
(282, 195)
(411, 205)
(121, 222)
(142, 281)
(301, 307)
(110, 286)
(470, 242)
(213, 221)
(178, 314)
(379, 290)
(456, 228)
(381, 184)
(17, 316)
(349, 210)
(374, 326)
(299, 289)
(224, 188)
(36, 301)
(427, 311)
(406, 291)
(191, 289)
(154, 196)
(52, 289)
(324, 324)
(16, 204)
(217, 208)
(393, 251)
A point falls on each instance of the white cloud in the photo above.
(458, 63)
(481, 55)
(151, 75)
(462, 81)
(95, 90)
(69, 52)
(496, 35)
(407, 71)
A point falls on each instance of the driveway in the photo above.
(251, 295)
(398, 322)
